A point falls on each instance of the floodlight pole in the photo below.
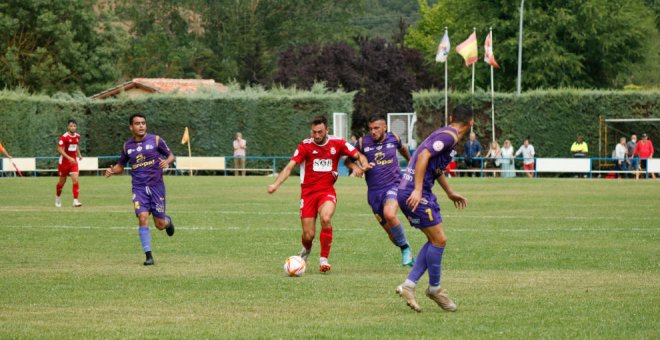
(520, 33)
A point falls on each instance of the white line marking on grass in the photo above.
(359, 229)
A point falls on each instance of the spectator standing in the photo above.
(240, 145)
(621, 155)
(493, 155)
(506, 161)
(472, 151)
(644, 149)
(527, 151)
(353, 140)
(579, 149)
(634, 161)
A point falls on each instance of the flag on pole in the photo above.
(186, 137)
(443, 49)
(468, 49)
(488, 51)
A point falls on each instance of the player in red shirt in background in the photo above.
(69, 150)
(319, 157)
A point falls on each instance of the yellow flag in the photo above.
(468, 49)
(186, 137)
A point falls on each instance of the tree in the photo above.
(165, 39)
(382, 74)
(53, 46)
(246, 36)
(571, 43)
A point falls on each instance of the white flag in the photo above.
(443, 49)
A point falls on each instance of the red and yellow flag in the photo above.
(488, 51)
(468, 49)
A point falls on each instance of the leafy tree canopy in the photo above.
(53, 46)
(570, 43)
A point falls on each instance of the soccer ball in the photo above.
(294, 266)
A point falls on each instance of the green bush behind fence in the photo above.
(273, 123)
(551, 118)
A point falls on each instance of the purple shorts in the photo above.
(377, 201)
(427, 213)
(150, 199)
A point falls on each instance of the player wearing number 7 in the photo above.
(421, 208)
(319, 157)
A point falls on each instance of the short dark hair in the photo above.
(376, 117)
(320, 120)
(462, 114)
(72, 121)
(130, 120)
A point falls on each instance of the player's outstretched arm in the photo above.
(284, 174)
(366, 166)
(357, 170)
(115, 169)
(460, 202)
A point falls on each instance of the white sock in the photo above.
(323, 260)
(434, 290)
(410, 284)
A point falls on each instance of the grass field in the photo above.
(543, 258)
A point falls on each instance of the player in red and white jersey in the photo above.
(69, 152)
(318, 157)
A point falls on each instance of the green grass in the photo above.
(544, 258)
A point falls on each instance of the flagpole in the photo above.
(190, 157)
(492, 88)
(475, 32)
(446, 102)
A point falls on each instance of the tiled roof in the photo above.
(163, 85)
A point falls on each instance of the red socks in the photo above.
(76, 190)
(326, 241)
(58, 191)
(307, 245)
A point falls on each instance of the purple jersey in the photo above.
(440, 144)
(386, 173)
(144, 157)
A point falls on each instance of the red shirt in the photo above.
(644, 150)
(70, 145)
(319, 162)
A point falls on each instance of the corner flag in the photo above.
(186, 137)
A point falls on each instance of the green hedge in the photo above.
(552, 118)
(272, 122)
